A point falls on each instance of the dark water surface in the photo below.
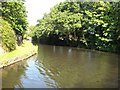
(63, 67)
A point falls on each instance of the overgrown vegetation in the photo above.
(93, 25)
(15, 13)
(8, 36)
(13, 23)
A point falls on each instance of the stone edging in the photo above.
(17, 60)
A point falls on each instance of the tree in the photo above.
(93, 25)
(15, 13)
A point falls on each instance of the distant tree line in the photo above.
(92, 25)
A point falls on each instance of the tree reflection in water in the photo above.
(13, 74)
(63, 67)
(71, 67)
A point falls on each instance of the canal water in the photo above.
(63, 67)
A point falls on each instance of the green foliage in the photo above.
(8, 36)
(0, 9)
(92, 25)
(31, 30)
(14, 12)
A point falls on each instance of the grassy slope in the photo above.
(25, 49)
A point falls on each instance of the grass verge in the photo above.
(25, 50)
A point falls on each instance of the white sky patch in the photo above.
(37, 8)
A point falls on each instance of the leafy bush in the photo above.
(8, 36)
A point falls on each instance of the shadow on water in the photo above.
(63, 67)
(72, 67)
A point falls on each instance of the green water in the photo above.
(63, 67)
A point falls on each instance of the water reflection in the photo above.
(63, 67)
(78, 67)
(11, 76)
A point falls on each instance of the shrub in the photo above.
(8, 36)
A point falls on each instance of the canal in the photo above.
(63, 67)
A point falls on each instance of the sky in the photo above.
(37, 8)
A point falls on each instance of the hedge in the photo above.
(8, 36)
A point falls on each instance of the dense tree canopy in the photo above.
(15, 13)
(92, 25)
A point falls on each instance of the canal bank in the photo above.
(63, 67)
(23, 52)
